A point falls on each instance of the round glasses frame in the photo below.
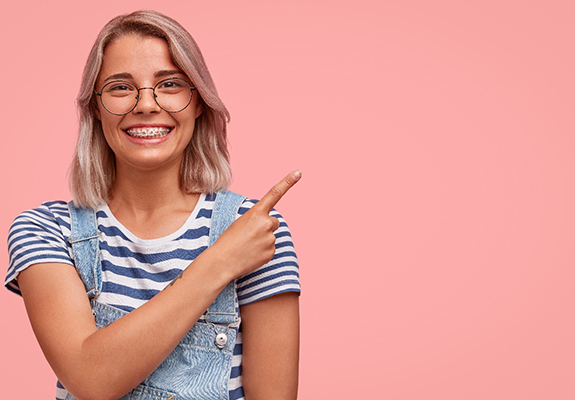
(192, 88)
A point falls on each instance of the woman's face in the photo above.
(148, 137)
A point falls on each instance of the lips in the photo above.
(149, 132)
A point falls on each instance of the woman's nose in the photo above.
(146, 101)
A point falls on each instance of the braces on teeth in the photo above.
(148, 132)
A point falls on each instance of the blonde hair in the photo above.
(205, 167)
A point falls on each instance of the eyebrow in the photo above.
(161, 74)
(121, 75)
(158, 74)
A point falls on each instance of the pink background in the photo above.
(435, 222)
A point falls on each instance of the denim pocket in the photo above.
(143, 392)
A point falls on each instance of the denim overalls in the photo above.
(200, 365)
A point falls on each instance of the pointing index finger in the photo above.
(278, 191)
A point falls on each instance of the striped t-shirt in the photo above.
(134, 270)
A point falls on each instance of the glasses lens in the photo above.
(119, 97)
(173, 94)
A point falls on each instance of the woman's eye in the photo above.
(170, 85)
(120, 88)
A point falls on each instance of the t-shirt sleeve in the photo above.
(36, 237)
(279, 275)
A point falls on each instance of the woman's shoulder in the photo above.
(51, 205)
(38, 235)
(49, 214)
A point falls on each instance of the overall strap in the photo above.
(85, 248)
(223, 309)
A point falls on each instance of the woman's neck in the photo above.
(151, 203)
(146, 190)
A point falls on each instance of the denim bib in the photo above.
(200, 365)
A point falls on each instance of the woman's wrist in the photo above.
(216, 266)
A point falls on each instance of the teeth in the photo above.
(153, 132)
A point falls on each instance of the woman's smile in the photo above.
(149, 132)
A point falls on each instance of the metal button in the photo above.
(221, 340)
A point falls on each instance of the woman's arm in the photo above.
(270, 337)
(107, 363)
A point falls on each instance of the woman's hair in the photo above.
(205, 167)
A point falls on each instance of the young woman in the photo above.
(152, 309)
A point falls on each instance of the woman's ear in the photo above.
(96, 109)
(199, 108)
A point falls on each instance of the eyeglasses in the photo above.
(121, 97)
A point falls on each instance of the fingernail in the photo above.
(296, 174)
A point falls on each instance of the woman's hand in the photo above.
(249, 242)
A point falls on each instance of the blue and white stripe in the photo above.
(134, 270)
